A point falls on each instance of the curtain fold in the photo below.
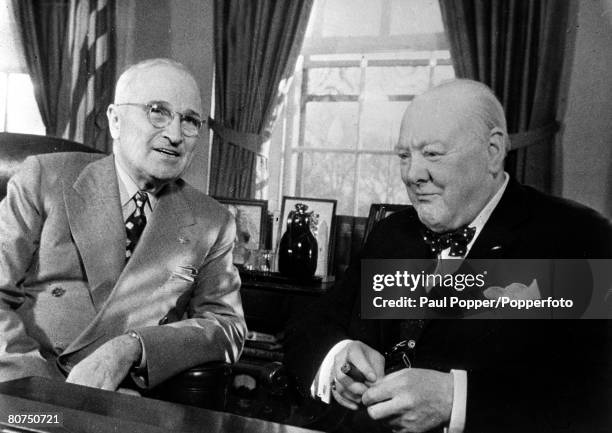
(43, 29)
(69, 46)
(256, 45)
(516, 47)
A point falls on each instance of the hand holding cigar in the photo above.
(353, 372)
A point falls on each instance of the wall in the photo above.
(585, 157)
(181, 30)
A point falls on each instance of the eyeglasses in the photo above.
(160, 116)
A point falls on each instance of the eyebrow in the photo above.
(419, 146)
(189, 111)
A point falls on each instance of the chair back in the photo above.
(14, 148)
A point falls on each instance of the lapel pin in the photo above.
(183, 240)
(496, 247)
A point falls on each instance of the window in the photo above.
(18, 109)
(362, 63)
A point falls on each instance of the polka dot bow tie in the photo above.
(456, 240)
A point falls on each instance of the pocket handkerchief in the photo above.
(187, 273)
(514, 291)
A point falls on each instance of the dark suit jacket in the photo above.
(65, 288)
(520, 372)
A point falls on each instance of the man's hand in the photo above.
(108, 365)
(368, 361)
(412, 399)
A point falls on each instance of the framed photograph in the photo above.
(322, 227)
(379, 211)
(251, 217)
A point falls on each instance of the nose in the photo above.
(173, 131)
(415, 170)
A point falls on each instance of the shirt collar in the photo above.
(128, 188)
(482, 218)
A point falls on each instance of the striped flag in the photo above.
(92, 58)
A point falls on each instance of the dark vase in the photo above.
(297, 254)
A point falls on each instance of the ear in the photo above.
(497, 149)
(113, 121)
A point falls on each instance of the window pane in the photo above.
(11, 55)
(333, 81)
(380, 123)
(397, 80)
(379, 182)
(330, 175)
(3, 90)
(23, 115)
(351, 17)
(443, 73)
(331, 124)
(411, 17)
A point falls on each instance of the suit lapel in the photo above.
(163, 230)
(95, 219)
(502, 228)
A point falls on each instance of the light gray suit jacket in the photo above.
(65, 289)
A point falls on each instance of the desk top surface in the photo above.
(89, 409)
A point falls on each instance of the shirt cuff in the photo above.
(321, 386)
(457, 418)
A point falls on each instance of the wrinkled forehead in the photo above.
(430, 120)
(161, 83)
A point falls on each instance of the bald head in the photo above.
(452, 146)
(470, 104)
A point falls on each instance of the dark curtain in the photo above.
(43, 29)
(516, 47)
(69, 46)
(256, 45)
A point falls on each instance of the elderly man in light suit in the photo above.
(111, 266)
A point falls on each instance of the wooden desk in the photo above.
(92, 410)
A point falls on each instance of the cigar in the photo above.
(353, 372)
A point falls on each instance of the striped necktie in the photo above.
(135, 223)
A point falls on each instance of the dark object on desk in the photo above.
(90, 409)
(378, 212)
(298, 250)
(204, 386)
(277, 277)
(14, 148)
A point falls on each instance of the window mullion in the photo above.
(362, 96)
(300, 156)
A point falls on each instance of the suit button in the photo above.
(411, 344)
(58, 291)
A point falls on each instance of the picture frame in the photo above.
(251, 223)
(326, 211)
(379, 211)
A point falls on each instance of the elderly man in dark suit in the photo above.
(466, 375)
(111, 265)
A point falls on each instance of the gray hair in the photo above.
(128, 75)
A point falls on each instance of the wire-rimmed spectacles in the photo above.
(160, 115)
